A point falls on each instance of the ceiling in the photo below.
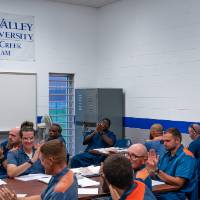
(90, 3)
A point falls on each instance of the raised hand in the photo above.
(152, 161)
(37, 153)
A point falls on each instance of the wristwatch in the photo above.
(30, 161)
(156, 172)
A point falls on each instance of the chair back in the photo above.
(123, 143)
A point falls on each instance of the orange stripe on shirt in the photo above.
(142, 174)
(188, 152)
(138, 192)
(65, 182)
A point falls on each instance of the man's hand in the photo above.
(99, 128)
(6, 194)
(152, 161)
(36, 154)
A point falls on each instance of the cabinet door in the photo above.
(86, 104)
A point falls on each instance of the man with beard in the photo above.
(12, 143)
(176, 167)
(102, 137)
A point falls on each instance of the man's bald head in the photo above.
(138, 149)
(13, 137)
(137, 154)
(194, 131)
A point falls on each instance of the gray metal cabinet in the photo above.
(91, 105)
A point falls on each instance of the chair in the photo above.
(123, 143)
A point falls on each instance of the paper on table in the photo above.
(31, 177)
(21, 195)
(45, 179)
(86, 182)
(2, 182)
(87, 190)
(154, 183)
(111, 149)
(87, 171)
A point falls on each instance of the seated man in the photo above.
(12, 143)
(194, 147)
(118, 173)
(25, 160)
(63, 184)
(137, 154)
(102, 137)
(55, 133)
(176, 167)
(156, 142)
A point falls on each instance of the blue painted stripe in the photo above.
(145, 123)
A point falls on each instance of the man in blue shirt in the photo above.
(25, 160)
(194, 147)
(137, 154)
(55, 133)
(62, 185)
(102, 137)
(156, 142)
(176, 167)
(11, 144)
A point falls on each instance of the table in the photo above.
(36, 187)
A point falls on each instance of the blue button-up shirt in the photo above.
(70, 194)
(97, 141)
(19, 157)
(181, 165)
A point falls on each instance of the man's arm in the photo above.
(13, 170)
(171, 180)
(107, 139)
(88, 138)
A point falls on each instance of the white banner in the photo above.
(16, 37)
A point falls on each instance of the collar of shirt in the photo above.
(178, 152)
(127, 192)
(57, 176)
(21, 150)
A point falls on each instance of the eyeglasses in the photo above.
(193, 128)
(132, 156)
(28, 139)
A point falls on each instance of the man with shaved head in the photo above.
(11, 143)
(156, 139)
(194, 147)
(137, 154)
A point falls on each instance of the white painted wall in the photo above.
(151, 48)
(65, 42)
